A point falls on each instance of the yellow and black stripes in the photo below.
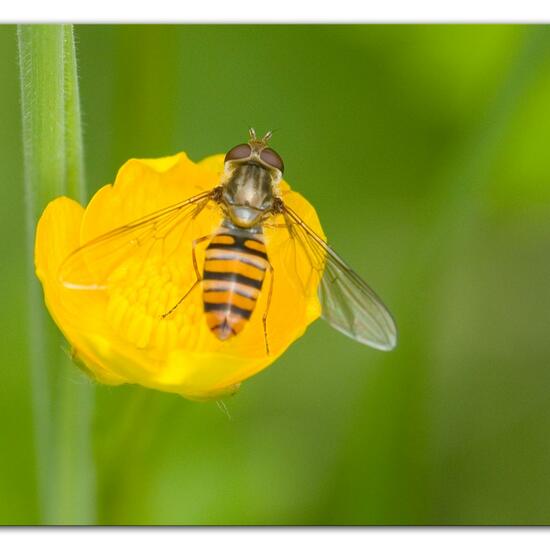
(234, 271)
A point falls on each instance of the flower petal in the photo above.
(57, 236)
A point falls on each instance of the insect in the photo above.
(237, 269)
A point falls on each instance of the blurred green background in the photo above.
(425, 150)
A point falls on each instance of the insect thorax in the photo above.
(248, 194)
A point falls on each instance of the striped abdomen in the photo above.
(234, 271)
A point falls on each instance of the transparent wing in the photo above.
(103, 261)
(348, 303)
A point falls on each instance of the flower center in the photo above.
(141, 293)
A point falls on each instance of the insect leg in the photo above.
(275, 225)
(264, 318)
(197, 274)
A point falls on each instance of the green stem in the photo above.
(53, 166)
(75, 466)
(40, 49)
(76, 185)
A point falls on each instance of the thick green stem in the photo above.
(53, 166)
(40, 49)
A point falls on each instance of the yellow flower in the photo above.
(118, 333)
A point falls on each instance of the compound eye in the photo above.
(239, 152)
(269, 156)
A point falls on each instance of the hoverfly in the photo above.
(236, 259)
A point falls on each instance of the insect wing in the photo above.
(348, 303)
(104, 260)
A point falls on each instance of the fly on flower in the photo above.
(231, 262)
